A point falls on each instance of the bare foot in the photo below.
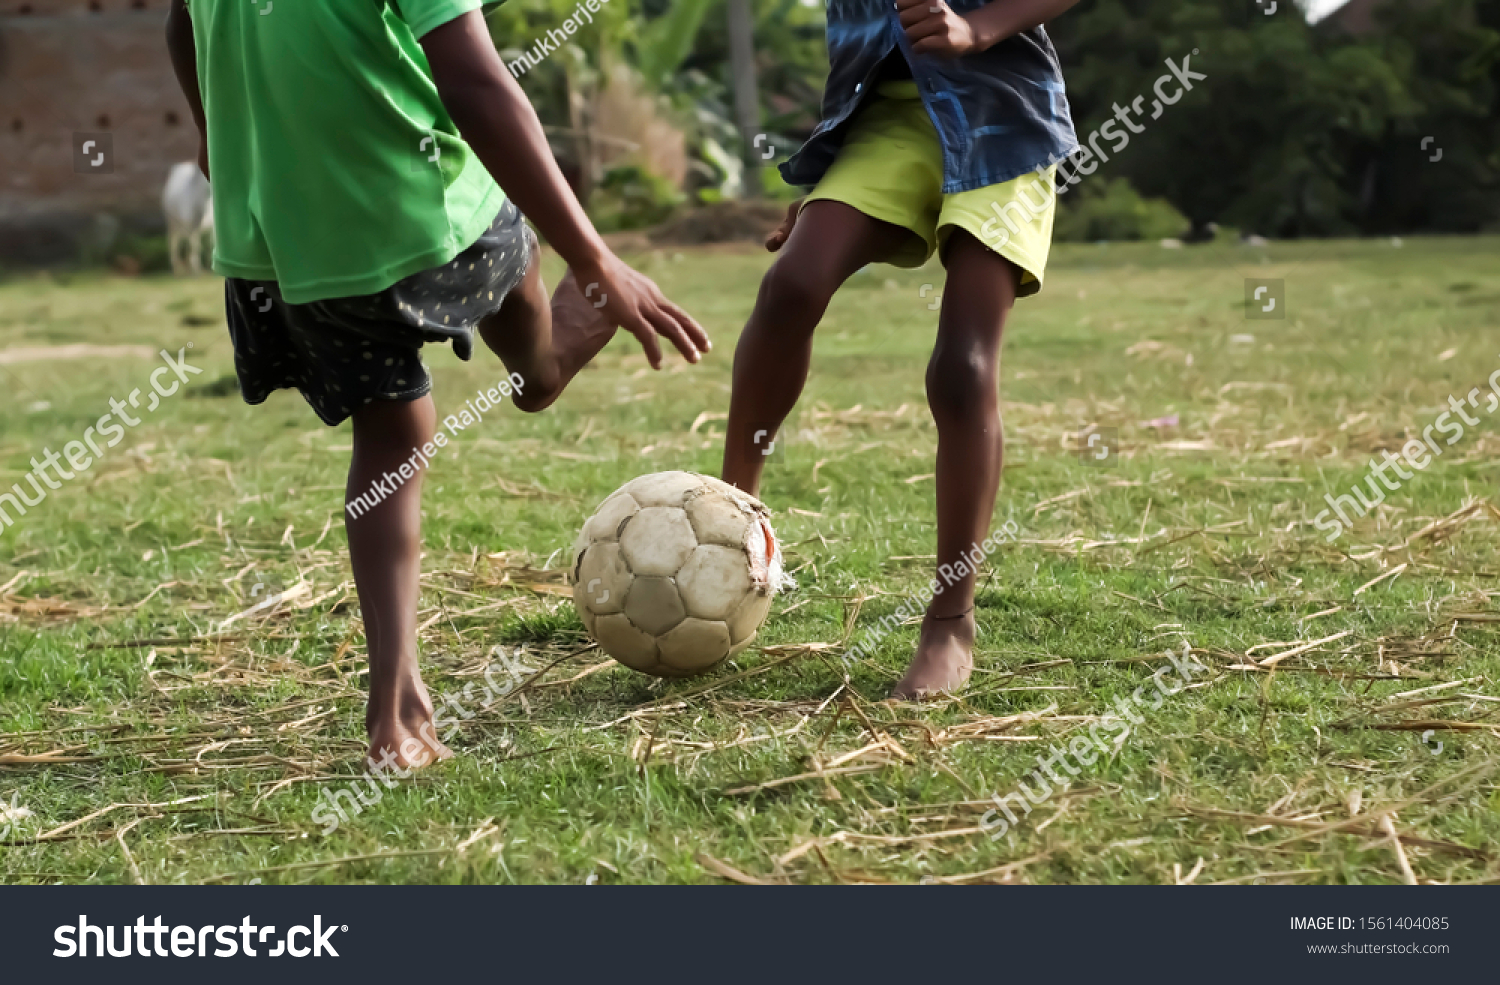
(580, 329)
(579, 326)
(944, 660)
(393, 744)
(401, 730)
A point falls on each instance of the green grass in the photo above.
(1201, 534)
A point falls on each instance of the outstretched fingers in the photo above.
(670, 328)
(632, 301)
(655, 316)
(676, 324)
(645, 333)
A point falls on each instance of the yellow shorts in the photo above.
(890, 167)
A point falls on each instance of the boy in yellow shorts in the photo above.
(942, 128)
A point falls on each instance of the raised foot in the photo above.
(944, 660)
(579, 326)
(580, 329)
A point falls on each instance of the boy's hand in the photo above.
(934, 29)
(498, 123)
(778, 237)
(634, 302)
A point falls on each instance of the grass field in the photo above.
(150, 745)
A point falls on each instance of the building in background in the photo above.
(91, 120)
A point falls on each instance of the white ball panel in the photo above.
(606, 519)
(714, 581)
(627, 644)
(723, 488)
(717, 520)
(694, 645)
(662, 488)
(603, 580)
(749, 617)
(654, 605)
(657, 541)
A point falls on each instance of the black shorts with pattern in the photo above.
(346, 352)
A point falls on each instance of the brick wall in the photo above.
(73, 71)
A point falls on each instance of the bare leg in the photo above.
(829, 242)
(546, 343)
(963, 393)
(385, 547)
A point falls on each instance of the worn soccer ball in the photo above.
(675, 572)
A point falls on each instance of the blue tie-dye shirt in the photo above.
(999, 113)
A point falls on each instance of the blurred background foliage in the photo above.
(1299, 130)
(639, 105)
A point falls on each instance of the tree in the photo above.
(1297, 129)
(746, 94)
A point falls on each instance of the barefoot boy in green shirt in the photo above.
(358, 152)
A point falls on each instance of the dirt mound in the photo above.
(721, 222)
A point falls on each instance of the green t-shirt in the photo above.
(336, 171)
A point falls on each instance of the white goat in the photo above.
(187, 202)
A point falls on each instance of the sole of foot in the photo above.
(580, 328)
